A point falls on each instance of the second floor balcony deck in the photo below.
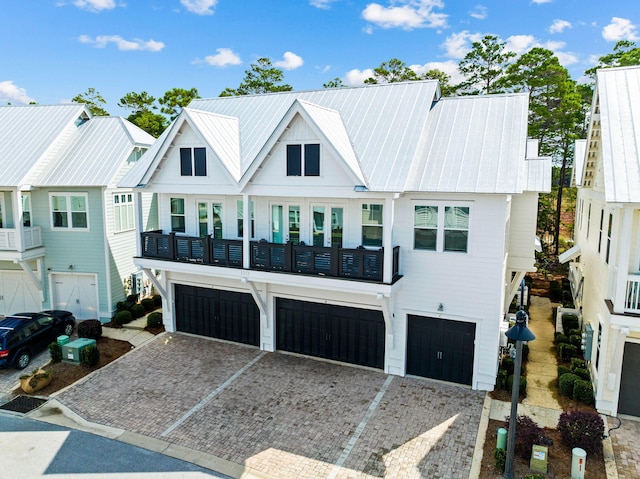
(357, 264)
(32, 238)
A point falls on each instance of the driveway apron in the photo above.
(284, 415)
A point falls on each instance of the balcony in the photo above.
(32, 237)
(358, 264)
(632, 296)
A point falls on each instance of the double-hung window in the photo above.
(69, 211)
(193, 162)
(303, 160)
(441, 227)
(372, 225)
(26, 209)
(178, 222)
(123, 212)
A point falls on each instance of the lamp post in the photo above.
(518, 333)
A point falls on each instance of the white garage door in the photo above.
(77, 293)
(17, 293)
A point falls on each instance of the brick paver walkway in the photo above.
(626, 446)
(283, 415)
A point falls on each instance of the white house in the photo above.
(605, 273)
(67, 234)
(383, 226)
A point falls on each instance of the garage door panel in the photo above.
(629, 399)
(339, 333)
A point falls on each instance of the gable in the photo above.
(273, 169)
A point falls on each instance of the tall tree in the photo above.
(446, 88)
(262, 77)
(94, 101)
(483, 66)
(175, 100)
(142, 106)
(335, 83)
(625, 53)
(391, 72)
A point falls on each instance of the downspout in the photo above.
(105, 229)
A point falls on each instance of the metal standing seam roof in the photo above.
(618, 90)
(30, 133)
(95, 153)
(399, 136)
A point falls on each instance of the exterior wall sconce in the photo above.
(70, 266)
(441, 307)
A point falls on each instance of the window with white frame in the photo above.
(69, 211)
(600, 230)
(609, 228)
(26, 209)
(372, 224)
(441, 228)
(178, 220)
(303, 160)
(240, 217)
(193, 162)
(123, 212)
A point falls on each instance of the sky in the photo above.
(52, 50)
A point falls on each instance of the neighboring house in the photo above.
(605, 275)
(67, 234)
(383, 226)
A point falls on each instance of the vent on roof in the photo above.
(82, 119)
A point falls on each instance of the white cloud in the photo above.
(620, 29)
(199, 7)
(101, 41)
(457, 45)
(222, 58)
(523, 43)
(520, 43)
(95, 5)
(290, 61)
(541, 1)
(558, 26)
(357, 77)
(406, 14)
(11, 93)
(450, 67)
(479, 12)
(566, 58)
(324, 4)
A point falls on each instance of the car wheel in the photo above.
(68, 329)
(22, 360)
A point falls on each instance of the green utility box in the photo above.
(71, 351)
(539, 459)
(62, 340)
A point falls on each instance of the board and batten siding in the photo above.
(82, 249)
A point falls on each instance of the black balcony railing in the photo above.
(359, 263)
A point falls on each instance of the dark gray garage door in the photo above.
(217, 314)
(629, 400)
(350, 335)
(440, 349)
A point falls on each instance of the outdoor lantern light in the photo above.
(518, 333)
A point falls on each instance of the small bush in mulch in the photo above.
(578, 363)
(157, 300)
(566, 352)
(122, 317)
(508, 365)
(582, 429)
(528, 433)
(154, 320)
(583, 392)
(570, 321)
(563, 370)
(523, 384)
(137, 311)
(90, 328)
(566, 382)
(148, 304)
(560, 338)
(89, 356)
(500, 458)
(582, 373)
(55, 350)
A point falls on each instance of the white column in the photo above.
(246, 227)
(17, 220)
(387, 239)
(620, 238)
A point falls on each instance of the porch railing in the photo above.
(359, 263)
(32, 237)
(632, 296)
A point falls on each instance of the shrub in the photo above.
(576, 340)
(555, 290)
(508, 365)
(148, 304)
(570, 321)
(122, 306)
(565, 383)
(90, 328)
(582, 373)
(578, 363)
(563, 370)
(567, 351)
(157, 300)
(523, 384)
(132, 298)
(500, 458)
(137, 311)
(528, 433)
(583, 391)
(122, 317)
(535, 476)
(582, 429)
(525, 352)
(89, 356)
(560, 338)
(55, 350)
(155, 319)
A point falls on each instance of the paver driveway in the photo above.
(284, 415)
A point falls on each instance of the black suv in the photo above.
(24, 334)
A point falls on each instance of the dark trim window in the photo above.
(178, 221)
(425, 227)
(441, 228)
(609, 228)
(372, 225)
(193, 162)
(600, 231)
(456, 228)
(303, 160)
(240, 218)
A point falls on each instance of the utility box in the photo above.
(539, 459)
(62, 340)
(71, 351)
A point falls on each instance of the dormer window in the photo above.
(303, 160)
(193, 162)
